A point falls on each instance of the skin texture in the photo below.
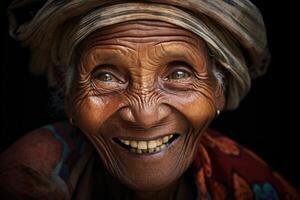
(142, 80)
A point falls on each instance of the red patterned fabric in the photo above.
(53, 163)
(232, 172)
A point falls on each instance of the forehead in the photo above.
(150, 44)
(142, 31)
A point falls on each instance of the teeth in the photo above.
(139, 151)
(159, 142)
(151, 150)
(147, 146)
(162, 146)
(152, 144)
(144, 150)
(142, 145)
(165, 139)
(133, 144)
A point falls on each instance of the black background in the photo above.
(257, 124)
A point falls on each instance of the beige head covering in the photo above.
(233, 29)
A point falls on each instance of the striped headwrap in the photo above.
(233, 30)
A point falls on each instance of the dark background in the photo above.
(257, 124)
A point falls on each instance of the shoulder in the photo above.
(231, 170)
(40, 161)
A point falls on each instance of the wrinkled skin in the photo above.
(139, 81)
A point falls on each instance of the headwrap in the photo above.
(233, 30)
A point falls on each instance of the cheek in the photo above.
(91, 112)
(199, 110)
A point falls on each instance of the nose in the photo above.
(146, 116)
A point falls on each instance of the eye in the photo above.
(107, 73)
(105, 77)
(178, 70)
(178, 74)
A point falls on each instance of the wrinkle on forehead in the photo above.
(143, 44)
(181, 50)
(143, 31)
(109, 54)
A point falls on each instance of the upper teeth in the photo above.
(147, 146)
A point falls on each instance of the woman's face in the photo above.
(143, 93)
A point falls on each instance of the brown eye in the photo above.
(179, 74)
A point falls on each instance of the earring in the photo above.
(71, 120)
(218, 112)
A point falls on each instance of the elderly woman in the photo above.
(141, 81)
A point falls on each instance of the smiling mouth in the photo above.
(147, 147)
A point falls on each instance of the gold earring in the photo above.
(218, 112)
(71, 120)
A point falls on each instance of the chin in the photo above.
(151, 171)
